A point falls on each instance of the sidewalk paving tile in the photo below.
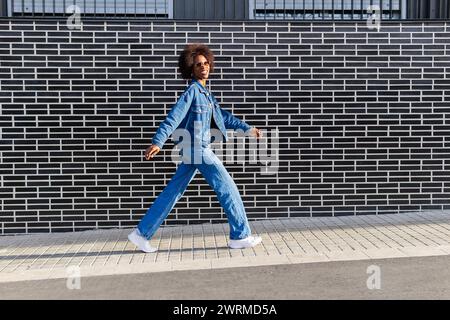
(191, 247)
(385, 253)
(422, 251)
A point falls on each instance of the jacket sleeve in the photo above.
(232, 122)
(174, 118)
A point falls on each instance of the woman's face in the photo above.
(201, 68)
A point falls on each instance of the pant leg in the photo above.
(227, 192)
(166, 200)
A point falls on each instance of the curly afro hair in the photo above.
(186, 59)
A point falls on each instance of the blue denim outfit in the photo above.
(194, 110)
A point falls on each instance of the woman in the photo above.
(194, 111)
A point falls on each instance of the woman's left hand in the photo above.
(255, 132)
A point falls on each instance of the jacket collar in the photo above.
(199, 85)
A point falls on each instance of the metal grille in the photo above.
(429, 9)
(326, 9)
(253, 9)
(90, 8)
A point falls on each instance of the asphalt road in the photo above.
(400, 278)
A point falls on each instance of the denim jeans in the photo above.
(217, 177)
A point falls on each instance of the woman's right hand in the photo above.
(151, 151)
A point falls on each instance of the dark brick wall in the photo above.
(363, 118)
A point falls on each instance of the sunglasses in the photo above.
(199, 64)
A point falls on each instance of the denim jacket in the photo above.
(194, 111)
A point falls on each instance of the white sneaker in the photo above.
(248, 242)
(140, 242)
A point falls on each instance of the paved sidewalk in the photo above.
(285, 241)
